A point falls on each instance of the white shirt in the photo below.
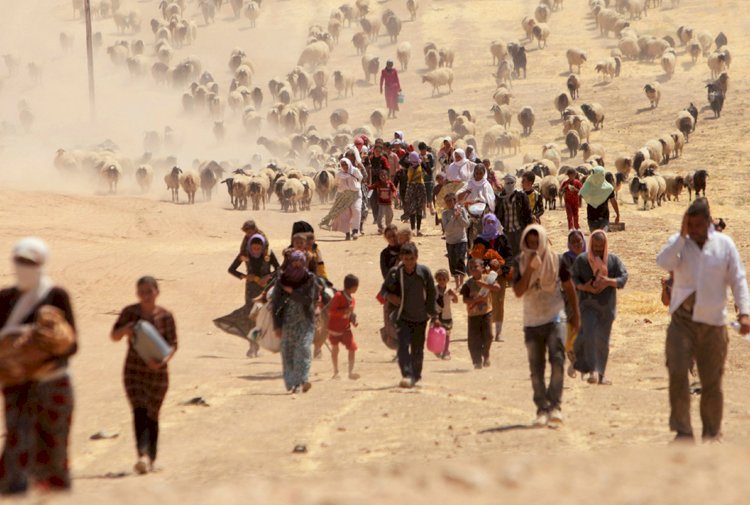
(479, 192)
(349, 181)
(706, 272)
(459, 173)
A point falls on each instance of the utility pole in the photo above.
(90, 55)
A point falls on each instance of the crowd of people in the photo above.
(494, 240)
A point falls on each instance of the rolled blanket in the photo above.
(343, 203)
(450, 187)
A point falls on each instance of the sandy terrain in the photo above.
(462, 435)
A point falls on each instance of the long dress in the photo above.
(391, 87)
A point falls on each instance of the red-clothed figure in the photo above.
(570, 189)
(389, 78)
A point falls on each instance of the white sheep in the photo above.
(293, 192)
(717, 64)
(240, 186)
(679, 143)
(502, 115)
(370, 67)
(343, 82)
(576, 57)
(648, 191)
(606, 68)
(499, 51)
(65, 161)
(655, 150)
(552, 153)
(438, 78)
(528, 25)
(628, 46)
(314, 54)
(653, 93)
(550, 189)
(541, 33)
(446, 57)
(706, 41)
(252, 12)
(403, 53)
(589, 151)
(668, 147)
(258, 191)
(668, 62)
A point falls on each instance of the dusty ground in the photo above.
(462, 434)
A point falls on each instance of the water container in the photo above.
(148, 342)
(436, 339)
(400, 97)
(491, 278)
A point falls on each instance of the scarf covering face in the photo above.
(295, 275)
(509, 184)
(481, 190)
(258, 239)
(491, 228)
(599, 265)
(31, 281)
(547, 274)
(462, 154)
(596, 189)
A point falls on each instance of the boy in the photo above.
(341, 318)
(385, 192)
(455, 221)
(476, 295)
(444, 298)
(400, 181)
(570, 188)
(536, 202)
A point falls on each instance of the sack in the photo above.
(263, 333)
(28, 354)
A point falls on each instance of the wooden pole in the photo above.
(90, 55)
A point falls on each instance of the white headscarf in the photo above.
(459, 171)
(547, 273)
(348, 181)
(480, 191)
(33, 284)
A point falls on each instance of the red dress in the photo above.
(392, 88)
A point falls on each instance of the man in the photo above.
(535, 198)
(514, 212)
(411, 288)
(704, 263)
(540, 277)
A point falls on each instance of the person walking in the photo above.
(540, 277)
(571, 188)
(576, 246)
(411, 289)
(455, 221)
(146, 383)
(476, 296)
(491, 245)
(428, 173)
(597, 275)
(295, 296)
(346, 212)
(416, 194)
(384, 192)
(704, 263)
(390, 85)
(535, 197)
(340, 321)
(599, 194)
(514, 212)
(38, 396)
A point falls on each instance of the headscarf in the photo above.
(399, 135)
(599, 265)
(295, 275)
(548, 272)
(351, 148)
(569, 253)
(491, 228)
(256, 238)
(473, 156)
(32, 282)
(414, 158)
(596, 189)
(457, 170)
(348, 163)
(480, 190)
(509, 184)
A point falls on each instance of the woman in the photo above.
(576, 246)
(597, 276)
(496, 253)
(345, 214)
(416, 194)
(478, 189)
(389, 82)
(261, 265)
(38, 409)
(457, 175)
(445, 154)
(294, 300)
(598, 194)
(146, 383)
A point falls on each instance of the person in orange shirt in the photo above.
(341, 318)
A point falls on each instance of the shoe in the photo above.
(555, 416)
(477, 366)
(683, 438)
(406, 383)
(306, 387)
(593, 378)
(541, 420)
(141, 467)
(348, 236)
(499, 338)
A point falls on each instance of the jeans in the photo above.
(538, 340)
(411, 337)
(480, 338)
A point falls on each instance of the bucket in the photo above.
(436, 339)
(400, 98)
(148, 343)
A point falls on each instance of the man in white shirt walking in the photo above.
(704, 263)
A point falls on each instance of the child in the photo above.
(445, 296)
(535, 198)
(498, 297)
(341, 318)
(476, 295)
(439, 182)
(400, 181)
(386, 193)
(455, 221)
(570, 189)
(404, 236)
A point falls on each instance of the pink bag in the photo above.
(436, 339)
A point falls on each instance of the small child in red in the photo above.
(341, 318)
(570, 188)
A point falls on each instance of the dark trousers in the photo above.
(146, 433)
(457, 258)
(514, 240)
(375, 206)
(541, 340)
(687, 340)
(598, 224)
(411, 337)
(37, 426)
(480, 337)
(416, 221)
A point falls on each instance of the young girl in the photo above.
(445, 297)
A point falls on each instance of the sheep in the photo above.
(655, 150)
(292, 193)
(675, 184)
(668, 147)
(463, 127)
(499, 51)
(638, 8)
(550, 188)
(370, 66)
(720, 84)
(377, 119)
(552, 153)
(65, 161)
(502, 96)
(403, 53)
(572, 141)
(607, 67)
(629, 48)
(314, 55)
(685, 34)
(653, 93)
(239, 187)
(573, 85)
(325, 185)
(432, 59)
(338, 117)
(309, 184)
(438, 78)
(209, 175)
(526, 118)
(371, 26)
(189, 182)
(343, 82)
(542, 13)
(655, 48)
(594, 112)
(640, 156)
(252, 12)
(502, 115)
(696, 181)
(695, 50)
(277, 146)
(510, 140)
(576, 57)
(541, 33)
(705, 40)
(679, 143)
(446, 57)
(504, 73)
(412, 6)
(258, 191)
(668, 62)
(360, 42)
(609, 20)
(720, 40)
(172, 179)
(393, 27)
(648, 190)
(716, 100)
(592, 150)
(580, 124)
(717, 64)
(518, 53)
(623, 165)
(685, 123)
